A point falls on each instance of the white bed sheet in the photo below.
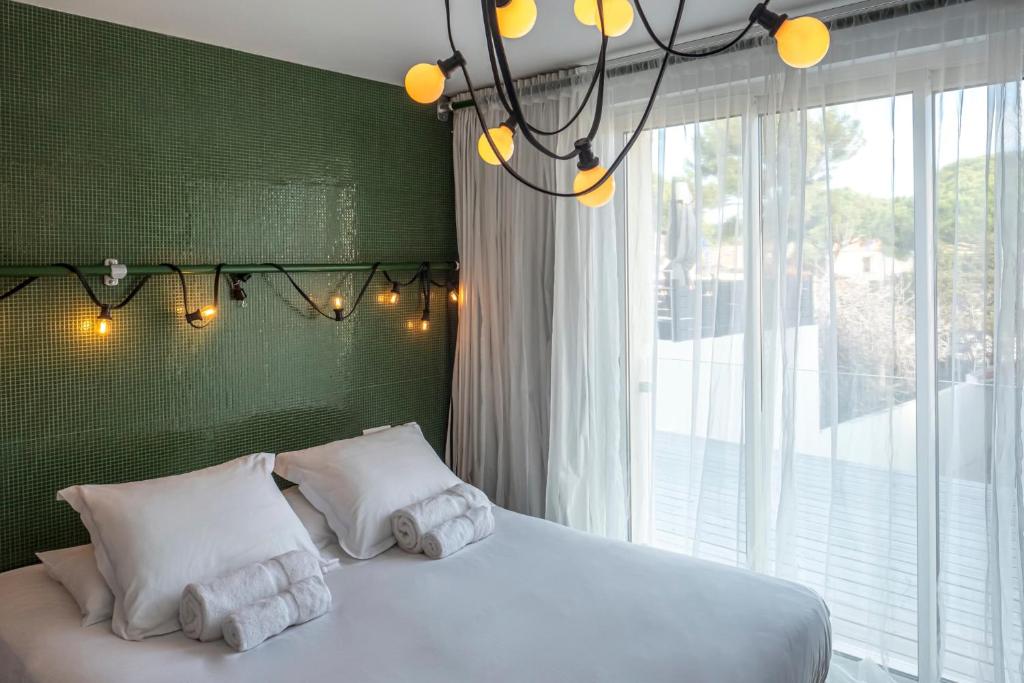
(534, 602)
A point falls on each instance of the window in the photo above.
(780, 359)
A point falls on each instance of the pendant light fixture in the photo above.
(504, 143)
(801, 42)
(515, 17)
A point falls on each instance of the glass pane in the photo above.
(845, 457)
(980, 602)
(696, 255)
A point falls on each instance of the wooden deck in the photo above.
(856, 544)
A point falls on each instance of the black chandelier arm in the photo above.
(490, 18)
(499, 86)
(625, 149)
(18, 287)
(595, 125)
(667, 47)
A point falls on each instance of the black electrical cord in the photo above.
(691, 55)
(302, 292)
(500, 86)
(216, 285)
(18, 287)
(625, 149)
(407, 282)
(362, 291)
(490, 20)
(336, 317)
(191, 317)
(92, 294)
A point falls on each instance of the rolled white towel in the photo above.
(411, 522)
(204, 606)
(249, 626)
(457, 533)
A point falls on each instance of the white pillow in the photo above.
(311, 518)
(75, 569)
(153, 537)
(357, 483)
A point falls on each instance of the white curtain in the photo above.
(825, 331)
(801, 319)
(538, 411)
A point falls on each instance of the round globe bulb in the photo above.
(618, 17)
(425, 83)
(503, 140)
(600, 195)
(802, 42)
(516, 18)
(586, 12)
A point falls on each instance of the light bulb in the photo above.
(207, 312)
(425, 82)
(618, 17)
(601, 195)
(802, 42)
(392, 296)
(516, 17)
(103, 321)
(586, 12)
(504, 140)
(454, 296)
(336, 303)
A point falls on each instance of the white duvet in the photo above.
(534, 602)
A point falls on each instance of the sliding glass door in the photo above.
(813, 338)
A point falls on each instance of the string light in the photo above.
(801, 42)
(425, 82)
(201, 317)
(589, 176)
(515, 17)
(617, 17)
(503, 138)
(104, 321)
(586, 12)
(237, 291)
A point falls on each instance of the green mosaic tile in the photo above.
(126, 144)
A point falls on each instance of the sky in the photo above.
(887, 132)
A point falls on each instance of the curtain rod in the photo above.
(840, 18)
(235, 268)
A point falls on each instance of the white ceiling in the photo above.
(380, 39)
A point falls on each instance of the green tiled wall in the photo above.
(120, 143)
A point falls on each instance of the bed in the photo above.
(534, 602)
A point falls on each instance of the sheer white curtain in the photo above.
(824, 275)
(801, 318)
(538, 411)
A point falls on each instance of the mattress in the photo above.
(534, 602)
